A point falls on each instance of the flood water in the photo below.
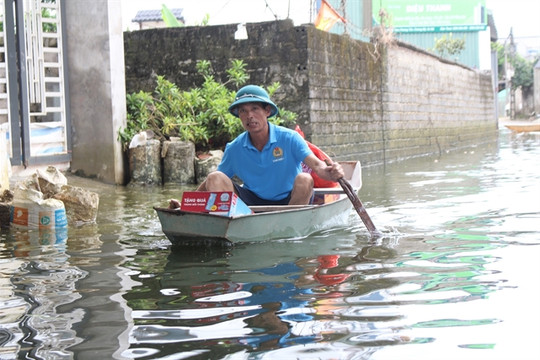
(455, 277)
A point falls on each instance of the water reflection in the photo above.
(57, 295)
(260, 305)
(36, 281)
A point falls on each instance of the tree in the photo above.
(447, 46)
(523, 72)
(523, 68)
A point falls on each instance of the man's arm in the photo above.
(332, 172)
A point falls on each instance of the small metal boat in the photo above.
(267, 222)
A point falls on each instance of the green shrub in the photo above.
(447, 46)
(199, 115)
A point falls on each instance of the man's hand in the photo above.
(174, 204)
(327, 171)
(334, 171)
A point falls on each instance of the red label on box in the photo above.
(222, 203)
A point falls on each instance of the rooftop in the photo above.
(155, 15)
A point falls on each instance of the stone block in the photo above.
(145, 163)
(178, 162)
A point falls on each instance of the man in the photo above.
(266, 157)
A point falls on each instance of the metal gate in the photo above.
(34, 114)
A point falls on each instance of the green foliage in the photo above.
(171, 21)
(199, 115)
(48, 27)
(205, 20)
(523, 69)
(448, 46)
(523, 72)
(168, 17)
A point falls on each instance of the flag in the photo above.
(327, 17)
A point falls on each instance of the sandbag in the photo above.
(30, 210)
(41, 214)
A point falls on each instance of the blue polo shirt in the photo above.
(269, 173)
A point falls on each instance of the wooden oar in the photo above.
(357, 204)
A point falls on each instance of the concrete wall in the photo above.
(354, 100)
(97, 87)
(274, 51)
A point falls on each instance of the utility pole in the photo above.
(343, 10)
(510, 100)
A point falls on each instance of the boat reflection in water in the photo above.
(243, 300)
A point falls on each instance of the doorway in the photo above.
(34, 111)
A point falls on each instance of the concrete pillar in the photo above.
(95, 51)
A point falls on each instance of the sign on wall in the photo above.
(410, 16)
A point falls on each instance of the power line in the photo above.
(269, 8)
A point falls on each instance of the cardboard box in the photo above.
(220, 203)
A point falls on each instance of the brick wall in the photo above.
(353, 101)
(434, 105)
(345, 82)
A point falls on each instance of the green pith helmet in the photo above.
(252, 93)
